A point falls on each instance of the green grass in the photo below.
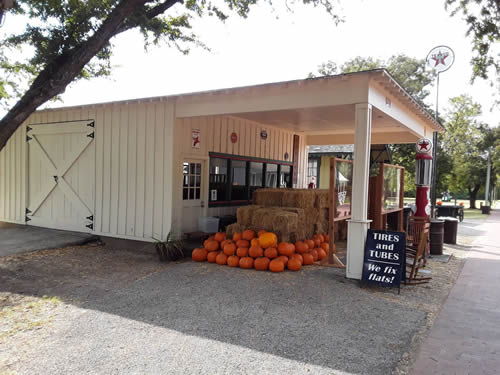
(471, 213)
(464, 201)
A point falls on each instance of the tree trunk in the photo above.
(63, 70)
(473, 195)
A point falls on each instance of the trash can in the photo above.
(437, 236)
(450, 230)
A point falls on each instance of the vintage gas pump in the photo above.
(423, 173)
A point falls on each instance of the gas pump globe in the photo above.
(423, 173)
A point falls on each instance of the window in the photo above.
(191, 185)
(271, 175)
(239, 180)
(256, 176)
(218, 180)
(285, 176)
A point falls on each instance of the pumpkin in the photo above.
(268, 239)
(256, 251)
(320, 238)
(212, 245)
(211, 238)
(219, 236)
(276, 265)
(221, 259)
(242, 251)
(314, 253)
(308, 259)
(301, 247)
(317, 242)
(326, 238)
(246, 263)
(310, 244)
(242, 243)
(261, 264)
(212, 255)
(286, 248)
(271, 252)
(224, 243)
(325, 246)
(248, 234)
(230, 249)
(199, 255)
(283, 259)
(298, 257)
(233, 261)
(294, 264)
(237, 237)
(261, 232)
(321, 254)
(254, 242)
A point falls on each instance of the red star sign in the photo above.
(439, 58)
(424, 145)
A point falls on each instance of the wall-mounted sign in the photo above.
(384, 261)
(213, 195)
(287, 155)
(234, 137)
(263, 134)
(195, 138)
(424, 146)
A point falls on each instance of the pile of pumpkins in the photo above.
(261, 251)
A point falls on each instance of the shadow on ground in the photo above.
(190, 312)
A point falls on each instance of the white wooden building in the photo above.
(139, 169)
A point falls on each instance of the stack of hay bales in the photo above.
(293, 214)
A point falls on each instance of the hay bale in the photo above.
(284, 224)
(233, 228)
(300, 198)
(244, 214)
(321, 198)
(263, 218)
(268, 197)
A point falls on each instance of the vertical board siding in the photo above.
(12, 178)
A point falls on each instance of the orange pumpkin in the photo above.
(321, 254)
(224, 243)
(246, 263)
(314, 253)
(199, 255)
(308, 259)
(261, 264)
(219, 236)
(283, 258)
(301, 247)
(294, 264)
(230, 249)
(268, 239)
(212, 255)
(276, 265)
(286, 248)
(237, 237)
(261, 232)
(254, 242)
(212, 245)
(310, 244)
(326, 238)
(221, 259)
(325, 246)
(211, 238)
(242, 243)
(298, 257)
(256, 251)
(320, 238)
(317, 241)
(248, 234)
(242, 251)
(233, 261)
(271, 252)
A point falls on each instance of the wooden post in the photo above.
(401, 200)
(379, 195)
(333, 260)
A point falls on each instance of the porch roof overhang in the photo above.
(322, 108)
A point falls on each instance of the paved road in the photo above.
(465, 338)
(19, 239)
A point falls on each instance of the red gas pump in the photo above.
(423, 173)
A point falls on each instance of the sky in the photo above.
(277, 44)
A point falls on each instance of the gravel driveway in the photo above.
(122, 312)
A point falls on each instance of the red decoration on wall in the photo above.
(234, 137)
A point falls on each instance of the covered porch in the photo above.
(358, 108)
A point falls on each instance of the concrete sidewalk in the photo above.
(465, 338)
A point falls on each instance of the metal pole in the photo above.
(488, 172)
(434, 155)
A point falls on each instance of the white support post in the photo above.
(359, 223)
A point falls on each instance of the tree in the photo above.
(483, 19)
(71, 40)
(466, 141)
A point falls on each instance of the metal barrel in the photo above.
(437, 236)
(450, 230)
